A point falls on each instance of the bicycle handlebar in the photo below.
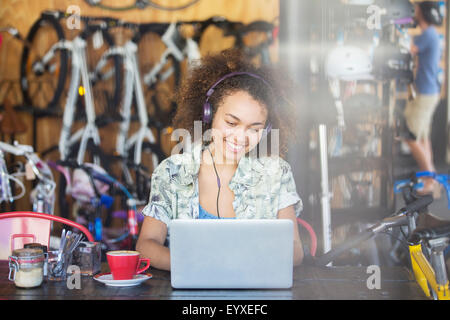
(32, 159)
(443, 179)
(418, 204)
(347, 245)
(17, 149)
(392, 221)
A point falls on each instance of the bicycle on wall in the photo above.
(165, 74)
(81, 80)
(145, 82)
(43, 194)
(254, 38)
(141, 4)
(94, 191)
(49, 59)
(9, 87)
(160, 77)
(44, 70)
(76, 50)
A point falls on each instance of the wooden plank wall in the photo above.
(23, 13)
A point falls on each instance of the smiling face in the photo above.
(237, 126)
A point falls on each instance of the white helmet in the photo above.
(348, 63)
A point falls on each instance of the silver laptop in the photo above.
(231, 254)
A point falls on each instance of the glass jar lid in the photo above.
(36, 246)
(28, 255)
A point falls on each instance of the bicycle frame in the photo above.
(5, 188)
(431, 276)
(90, 131)
(132, 85)
(169, 38)
(79, 73)
(140, 4)
(96, 225)
(43, 199)
(426, 276)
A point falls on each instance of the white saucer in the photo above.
(107, 279)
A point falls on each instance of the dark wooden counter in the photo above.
(309, 283)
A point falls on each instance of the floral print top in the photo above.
(261, 186)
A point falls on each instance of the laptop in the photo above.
(231, 254)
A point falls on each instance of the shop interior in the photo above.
(87, 99)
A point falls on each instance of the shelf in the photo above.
(339, 166)
(344, 216)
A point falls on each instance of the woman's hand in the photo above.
(289, 213)
(151, 243)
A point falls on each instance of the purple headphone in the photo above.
(207, 109)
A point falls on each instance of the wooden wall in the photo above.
(23, 13)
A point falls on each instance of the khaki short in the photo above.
(419, 114)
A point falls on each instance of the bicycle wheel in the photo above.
(159, 90)
(42, 85)
(152, 155)
(215, 37)
(255, 39)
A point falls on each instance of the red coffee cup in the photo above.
(125, 264)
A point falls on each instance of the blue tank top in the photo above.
(429, 57)
(203, 214)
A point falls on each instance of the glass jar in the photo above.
(26, 267)
(44, 249)
(88, 257)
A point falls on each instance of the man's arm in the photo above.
(414, 49)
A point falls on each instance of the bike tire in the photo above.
(160, 107)
(60, 75)
(64, 206)
(142, 184)
(259, 51)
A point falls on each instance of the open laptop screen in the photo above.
(231, 253)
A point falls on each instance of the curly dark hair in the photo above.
(192, 93)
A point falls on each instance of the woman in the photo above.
(226, 176)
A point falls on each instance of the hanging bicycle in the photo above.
(140, 4)
(43, 195)
(45, 66)
(94, 189)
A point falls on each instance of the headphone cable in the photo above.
(218, 183)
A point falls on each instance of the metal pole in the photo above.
(447, 48)
(325, 196)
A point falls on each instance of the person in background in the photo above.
(419, 111)
(219, 177)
